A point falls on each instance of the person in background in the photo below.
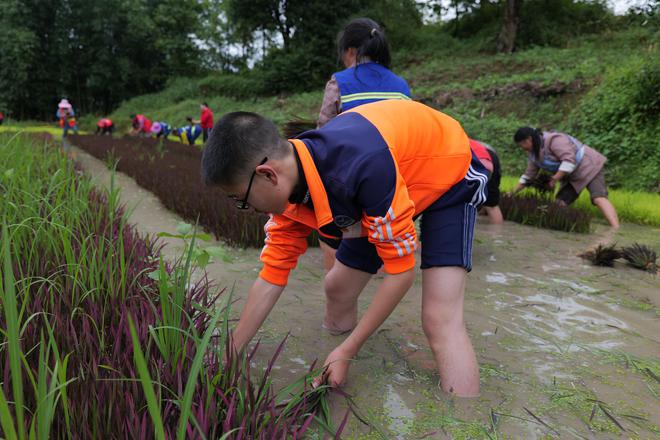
(188, 134)
(488, 157)
(2, 117)
(66, 117)
(363, 49)
(141, 125)
(105, 126)
(161, 129)
(575, 166)
(205, 120)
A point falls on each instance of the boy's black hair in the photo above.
(205, 104)
(528, 132)
(368, 37)
(238, 141)
(132, 116)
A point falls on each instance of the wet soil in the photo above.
(566, 349)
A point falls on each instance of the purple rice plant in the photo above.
(173, 176)
(78, 304)
(543, 212)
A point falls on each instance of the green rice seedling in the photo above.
(602, 255)
(641, 257)
(541, 183)
(147, 384)
(48, 386)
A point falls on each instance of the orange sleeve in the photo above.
(388, 213)
(286, 240)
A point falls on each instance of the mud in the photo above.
(566, 349)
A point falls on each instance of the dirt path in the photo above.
(566, 349)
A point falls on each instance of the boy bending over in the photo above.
(363, 178)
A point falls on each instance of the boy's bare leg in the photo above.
(443, 292)
(328, 256)
(494, 213)
(342, 288)
(608, 210)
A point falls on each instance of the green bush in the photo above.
(620, 119)
(241, 86)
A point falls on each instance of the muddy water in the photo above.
(566, 349)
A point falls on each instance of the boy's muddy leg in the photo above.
(342, 288)
(443, 290)
(328, 256)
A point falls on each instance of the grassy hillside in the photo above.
(492, 95)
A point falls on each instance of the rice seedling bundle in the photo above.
(641, 257)
(602, 255)
(543, 212)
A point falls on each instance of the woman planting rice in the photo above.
(574, 165)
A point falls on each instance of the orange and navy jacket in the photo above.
(369, 171)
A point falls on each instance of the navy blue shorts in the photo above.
(447, 228)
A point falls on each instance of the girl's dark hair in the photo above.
(526, 132)
(368, 38)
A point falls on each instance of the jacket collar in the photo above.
(314, 183)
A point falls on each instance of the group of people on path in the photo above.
(142, 125)
(376, 162)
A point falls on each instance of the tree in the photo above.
(17, 54)
(97, 52)
(506, 41)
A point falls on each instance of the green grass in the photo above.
(168, 106)
(34, 127)
(632, 206)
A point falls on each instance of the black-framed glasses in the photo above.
(243, 204)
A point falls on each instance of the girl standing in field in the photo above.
(363, 49)
(66, 117)
(574, 164)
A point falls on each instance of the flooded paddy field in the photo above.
(566, 349)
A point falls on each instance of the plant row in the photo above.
(542, 211)
(171, 171)
(100, 338)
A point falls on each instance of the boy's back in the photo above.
(431, 151)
